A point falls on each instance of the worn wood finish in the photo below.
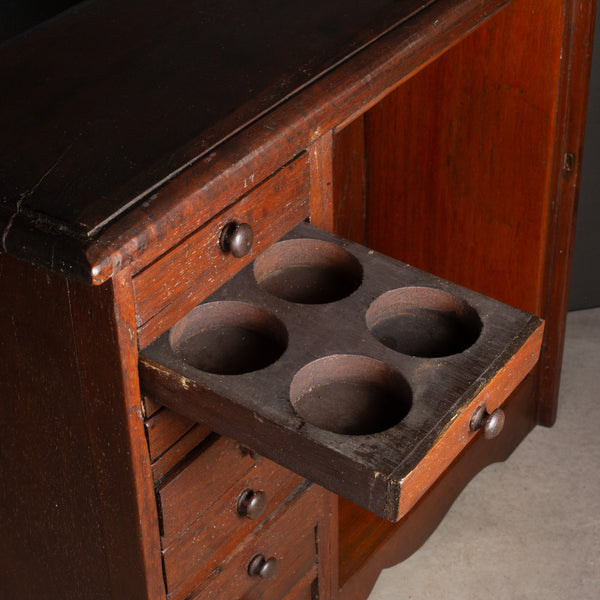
(163, 430)
(197, 484)
(77, 488)
(219, 529)
(173, 211)
(179, 451)
(576, 55)
(85, 134)
(409, 449)
(170, 287)
(296, 554)
(111, 395)
(369, 544)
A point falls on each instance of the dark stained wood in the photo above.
(193, 489)
(369, 544)
(172, 285)
(39, 460)
(568, 149)
(409, 450)
(111, 394)
(174, 210)
(77, 498)
(451, 141)
(151, 89)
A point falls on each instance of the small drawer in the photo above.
(163, 429)
(186, 495)
(185, 446)
(243, 509)
(362, 374)
(280, 557)
(168, 288)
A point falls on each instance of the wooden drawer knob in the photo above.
(492, 424)
(252, 503)
(262, 567)
(237, 238)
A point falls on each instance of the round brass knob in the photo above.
(492, 424)
(236, 238)
(262, 567)
(252, 503)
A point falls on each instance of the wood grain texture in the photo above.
(467, 188)
(288, 536)
(256, 406)
(349, 194)
(199, 483)
(218, 529)
(77, 497)
(46, 462)
(369, 544)
(175, 209)
(179, 451)
(111, 393)
(566, 172)
(151, 89)
(163, 430)
(174, 284)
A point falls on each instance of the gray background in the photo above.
(585, 279)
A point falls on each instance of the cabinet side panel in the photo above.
(51, 538)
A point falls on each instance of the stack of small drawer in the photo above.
(233, 524)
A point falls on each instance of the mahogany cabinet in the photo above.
(161, 433)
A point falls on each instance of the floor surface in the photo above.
(528, 528)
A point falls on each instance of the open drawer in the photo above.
(358, 372)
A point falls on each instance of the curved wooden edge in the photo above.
(369, 544)
(457, 435)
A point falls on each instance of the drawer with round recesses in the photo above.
(359, 372)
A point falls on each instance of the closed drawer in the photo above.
(168, 288)
(359, 372)
(191, 491)
(287, 539)
(242, 510)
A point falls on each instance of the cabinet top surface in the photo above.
(109, 100)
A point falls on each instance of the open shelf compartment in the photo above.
(354, 370)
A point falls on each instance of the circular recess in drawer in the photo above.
(308, 271)
(350, 394)
(424, 322)
(229, 338)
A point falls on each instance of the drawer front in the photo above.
(172, 285)
(193, 489)
(288, 538)
(373, 369)
(207, 542)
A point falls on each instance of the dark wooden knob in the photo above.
(262, 567)
(492, 424)
(237, 238)
(252, 503)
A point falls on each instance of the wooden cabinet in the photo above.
(442, 133)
